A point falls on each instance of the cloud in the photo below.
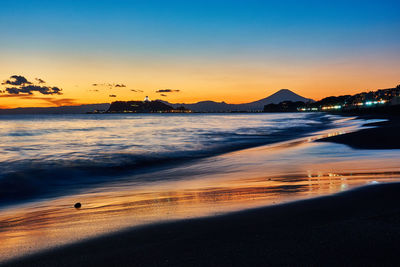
(29, 89)
(61, 102)
(167, 91)
(52, 100)
(112, 96)
(163, 95)
(17, 80)
(19, 96)
(39, 80)
(103, 85)
(136, 90)
(109, 85)
(56, 101)
(22, 86)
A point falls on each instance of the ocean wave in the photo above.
(57, 174)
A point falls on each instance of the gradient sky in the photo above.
(233, 51)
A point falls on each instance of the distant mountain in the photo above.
(211, 106)
(206, 106)
(57, 110)
(276, 98)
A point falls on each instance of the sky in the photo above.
(188, 51)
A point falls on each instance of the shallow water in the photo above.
(53, 155)
(295, 168)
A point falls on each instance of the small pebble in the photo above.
(78, 205)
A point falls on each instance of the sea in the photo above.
(130, 170)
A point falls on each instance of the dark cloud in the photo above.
(110, 85)
(22, 86)
(102, 84)
(29, 89)
(112, 96)
(136, 90)
(12, 90)
(39, 80)
(167, 91)
(17, 80)
(163, 95)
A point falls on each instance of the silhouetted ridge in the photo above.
(139, 107)
(80, 109)
(256, 106)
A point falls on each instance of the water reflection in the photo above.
(54, 155)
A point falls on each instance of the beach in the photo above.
(379, 135)
(358, 228)
(317, 226)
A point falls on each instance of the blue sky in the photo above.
(185, 26)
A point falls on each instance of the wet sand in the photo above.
(382, 135)
(357, 227)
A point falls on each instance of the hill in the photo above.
(139, 107)
(276, 98)
(56, 110)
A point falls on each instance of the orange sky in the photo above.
(229, 81)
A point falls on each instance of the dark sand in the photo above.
(358, 227)
(384, 135)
